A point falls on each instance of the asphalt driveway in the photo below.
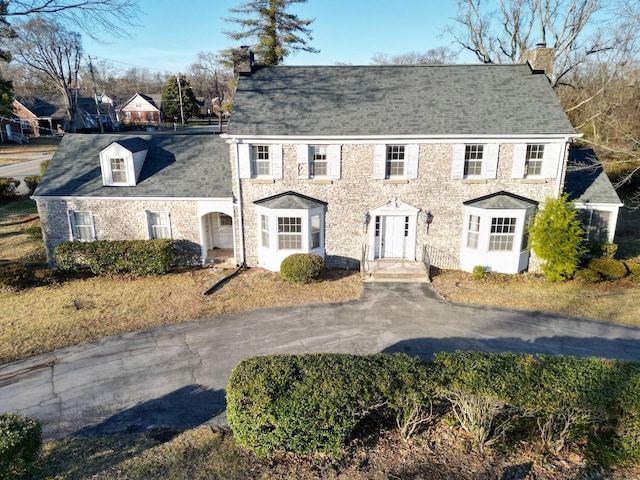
(175, 376)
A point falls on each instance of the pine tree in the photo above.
(171, 100)
(557, 238)
(277, 33)
(6, 86)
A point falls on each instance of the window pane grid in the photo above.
(503, 231)
(473, 160)
(289, 233)
(315, 231)
(260, 163)
(533, 161)
(264, 229)
(395, 161)
(318, 165)
(473, 231)
(118, 170)
(159, 222)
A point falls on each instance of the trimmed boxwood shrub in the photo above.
(586, 275)
(13, 274)
(310, 403)
(138, 257)
(20, 441)
(302, 267)
(609, 268)
(8, 187)
(634, 270)
(32, 182)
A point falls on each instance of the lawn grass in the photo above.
(35, 145)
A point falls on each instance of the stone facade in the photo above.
(117, 219)
(357, 192)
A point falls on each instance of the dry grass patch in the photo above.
(15, 217)
(609, 301)
(42, 319)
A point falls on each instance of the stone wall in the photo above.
(117, 219)
(356, 192)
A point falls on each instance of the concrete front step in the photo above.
(398, 271)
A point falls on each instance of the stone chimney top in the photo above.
(242, 61)
(540, 58)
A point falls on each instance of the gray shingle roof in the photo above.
(501, 201)
(586, 180)
(397, 100)
(290, 200)
(176, 166)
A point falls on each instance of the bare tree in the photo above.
(212, 79)
(94, 17)
(440, 55)
(504, 33)
(54, 54)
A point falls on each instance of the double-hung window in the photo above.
(260, 161)
(503, 231)
(473, 231)
(473, 160)
(289, 233)
(264, 230)
(394, 166)
(82, 226)
(318, 166)
(533, 160)
(159, 225)
(316, 229)
(118, 170)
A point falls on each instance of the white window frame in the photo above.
(473, 231)
(462, 155)
(115, 172)
(76, 227)
(274, 244)
(534, 160)
(502, 234)
(395, 162)
(272, 153)
(383, 154)
(260, 159)
(318, 160)
(552, 156)
(154, 227)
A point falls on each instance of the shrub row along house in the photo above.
(358, 164)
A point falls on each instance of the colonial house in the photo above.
(141, 109)
(363, 165)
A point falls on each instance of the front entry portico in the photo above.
(392, 231)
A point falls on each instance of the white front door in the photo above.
(391, 236)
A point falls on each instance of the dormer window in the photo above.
(122, 161)
(118, 170)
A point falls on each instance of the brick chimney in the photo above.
(242, 61)
(540, 58)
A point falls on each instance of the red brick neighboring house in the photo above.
(40, 116)
(141, 109)
(11, 130)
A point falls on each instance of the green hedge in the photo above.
(13, 274)
(609, 268)
(314, 402)
(32, 182)
(20, 441)
(138, 257)
(8, 187)
(302, 267)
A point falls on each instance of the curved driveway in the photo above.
(176, 376)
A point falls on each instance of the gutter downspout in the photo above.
(239, 202)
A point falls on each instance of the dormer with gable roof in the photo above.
(122, 161)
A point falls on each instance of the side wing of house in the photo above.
(119, 187)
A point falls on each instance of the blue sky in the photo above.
(348, 31)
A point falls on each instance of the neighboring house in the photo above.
(11, 130)
(89, 113)
(141, 109)
(122, 187)
(361, 165)
(40, 116)
(596, 201)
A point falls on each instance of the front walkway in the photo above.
(175, 376)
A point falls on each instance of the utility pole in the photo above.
(180, 95)
(95, 97)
